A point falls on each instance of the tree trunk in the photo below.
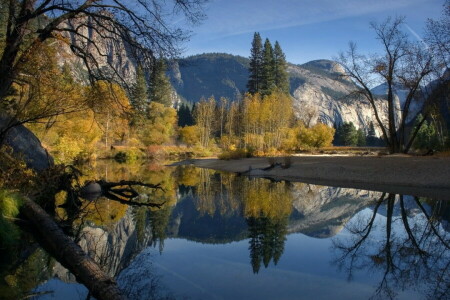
(70, 255)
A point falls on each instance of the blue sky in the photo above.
(305, 29)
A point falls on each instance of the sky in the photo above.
(306, 29)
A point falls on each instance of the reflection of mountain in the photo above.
(318, 212)
(323, 211)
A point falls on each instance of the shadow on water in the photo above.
(404, 240)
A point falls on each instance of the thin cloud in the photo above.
(232, 18)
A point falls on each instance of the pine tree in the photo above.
(185, 116)
(360, 138)
(160, 89)
(280, 69)
(371, 138)
(254, 81)
(139, 95)
(267, 70)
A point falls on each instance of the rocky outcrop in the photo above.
(110, 54)
(26, 145)
(323, 94)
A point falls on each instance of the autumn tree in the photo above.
(204, 118)
(403, 63)
(159, 125)
(111, 106)
(45, 91)
(255, 69)
(141, 25)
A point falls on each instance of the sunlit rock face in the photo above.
(113, 247)
(323, 211)
(323, 94)
(105, 50)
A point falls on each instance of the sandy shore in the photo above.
(419, 176)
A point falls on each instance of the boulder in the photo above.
(25, 144)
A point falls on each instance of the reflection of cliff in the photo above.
(321, 211)
(112, 247)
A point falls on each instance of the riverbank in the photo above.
(411, 175)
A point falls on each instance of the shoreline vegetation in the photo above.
(425, 176)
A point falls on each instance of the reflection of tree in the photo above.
(215, 193)
(159, 220)
(412, 251)
(267, 238)
(268, 206)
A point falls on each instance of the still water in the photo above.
(222, 236)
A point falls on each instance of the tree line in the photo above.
(257, 125)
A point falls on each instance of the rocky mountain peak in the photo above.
(326, 65)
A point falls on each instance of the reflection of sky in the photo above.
(61, 290)
(306, 29)
(223, 271)
(202, 271)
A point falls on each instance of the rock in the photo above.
(91, 191)
(25, 144)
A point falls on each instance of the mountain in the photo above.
(213, 74)
(320, 91)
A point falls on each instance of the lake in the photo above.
(223, 236)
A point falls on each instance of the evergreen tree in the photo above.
(254, 81)
(280, 69)
(185, 116)
(267, 70)
(346, 135)
(160, 89)
(372, 139)
(139, 95)
(360, 138)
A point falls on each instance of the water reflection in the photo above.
(403, 240)
(410, 248)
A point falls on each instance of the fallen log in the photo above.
(70, 255)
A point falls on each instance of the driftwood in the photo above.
(70, 255)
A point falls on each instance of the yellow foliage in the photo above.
(264, 198)
(159, 127)
(318, 136)
(104, 211)
(189, 176)
(190, 135)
